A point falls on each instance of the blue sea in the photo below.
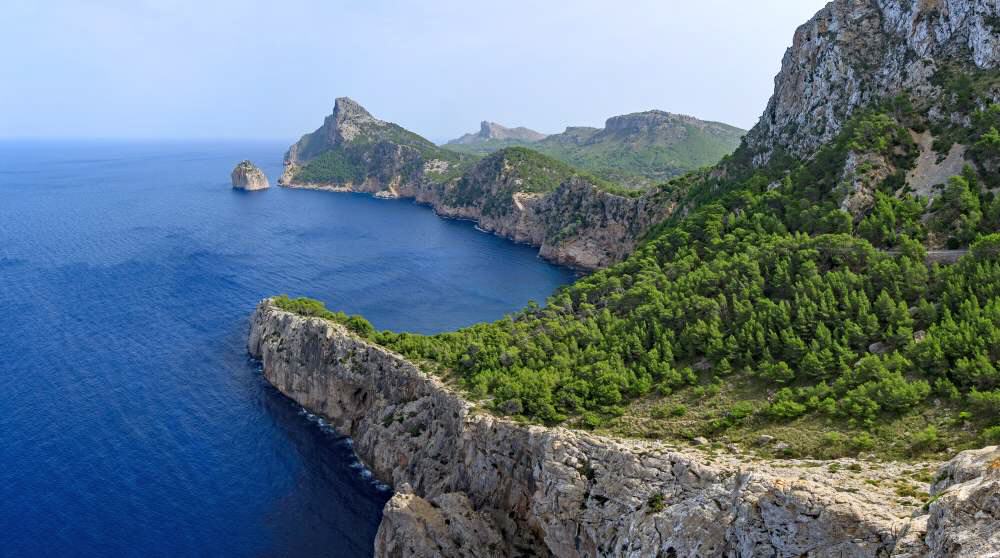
(132, 422)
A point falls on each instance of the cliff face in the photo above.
(469, 484)
(855, 52)
(246, 176)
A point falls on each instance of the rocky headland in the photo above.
(472, 484)
(246, 176)
(575, 219)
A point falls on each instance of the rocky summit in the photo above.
(246, 176)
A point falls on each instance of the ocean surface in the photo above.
(132, 421)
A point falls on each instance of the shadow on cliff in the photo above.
(302, 521)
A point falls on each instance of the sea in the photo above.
(132, 420)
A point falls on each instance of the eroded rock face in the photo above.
(471, 480)
(964, 517)
(854, 52)
(246, 176)
(577, 225)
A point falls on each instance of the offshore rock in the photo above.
(473, 484)
(246, 176)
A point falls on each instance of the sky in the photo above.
(215, 69)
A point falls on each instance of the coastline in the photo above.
(467, 479)
(613, 230)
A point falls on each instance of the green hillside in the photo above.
(635, 150)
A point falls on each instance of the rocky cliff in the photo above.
(470, 484)
(246, 176)
(529, 199)
(854, 53)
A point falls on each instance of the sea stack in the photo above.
(246, 176)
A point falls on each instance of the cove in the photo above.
(133, 422)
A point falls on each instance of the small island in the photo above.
(246, 176)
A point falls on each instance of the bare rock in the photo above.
(964, 513)
(878, 348)
(854, 52)
(764, 440)
(246, 176)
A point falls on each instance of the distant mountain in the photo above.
(491, 133)
(635, 150)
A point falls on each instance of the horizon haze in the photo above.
(186, 70)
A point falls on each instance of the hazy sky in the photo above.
(271, 69)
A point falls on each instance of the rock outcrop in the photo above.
(246, 176)
(470, 484)
(493, 132)
(856, 52)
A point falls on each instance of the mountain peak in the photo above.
(347, 108)
(349, 119)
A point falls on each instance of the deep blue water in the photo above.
(132, 423)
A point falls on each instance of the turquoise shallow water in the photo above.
(132, 421)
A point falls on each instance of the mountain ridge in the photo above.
(636, 150)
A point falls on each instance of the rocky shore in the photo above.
(471, 484)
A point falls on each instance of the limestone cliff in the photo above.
(246, 176)
(470, 484)
(854, 53)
